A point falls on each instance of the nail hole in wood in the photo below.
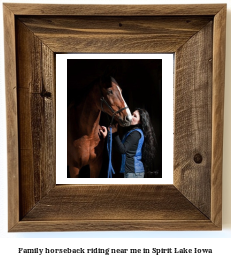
(198, 158)
(120, 24)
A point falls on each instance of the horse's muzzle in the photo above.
(125, 123)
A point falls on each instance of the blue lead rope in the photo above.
(109, 149)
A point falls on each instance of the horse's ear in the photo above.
(106, 81)
(106, 78)
(113, 80)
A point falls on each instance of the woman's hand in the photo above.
(103, 131)
(114, 128)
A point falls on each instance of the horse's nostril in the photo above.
(127, 118)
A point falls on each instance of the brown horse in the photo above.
(84, 143)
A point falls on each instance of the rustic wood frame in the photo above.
(33, 34)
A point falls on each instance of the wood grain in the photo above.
(114, 34)
(114, 225)
(114, 202)
(36, 118)
(114, 10)
(112, 208)
(193, 126)
(218, 115)
(12, 121)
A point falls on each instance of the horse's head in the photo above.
(113, 103)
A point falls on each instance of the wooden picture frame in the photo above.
(34, 34)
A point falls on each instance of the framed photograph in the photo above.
(140, 79)
(37, 36)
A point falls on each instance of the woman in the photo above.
(138, 145)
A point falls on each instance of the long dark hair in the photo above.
(150, 143)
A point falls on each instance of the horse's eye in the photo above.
(109, 92)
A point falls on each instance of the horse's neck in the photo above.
(88, 115)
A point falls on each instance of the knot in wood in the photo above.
(198, 158)
(45, 94)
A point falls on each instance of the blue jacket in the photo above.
(138, 165)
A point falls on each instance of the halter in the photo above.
(113, 112)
